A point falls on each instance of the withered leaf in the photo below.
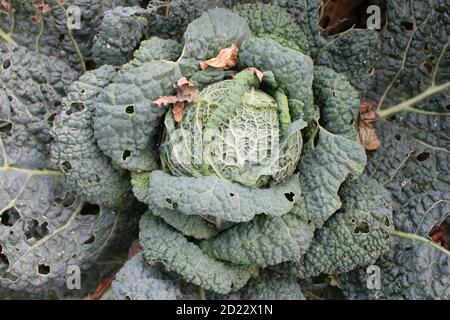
(366, 113)
(366, 131)
(367, 136)
(101, 289)
(186, 92)
(166, 100)
(177, 111)
(226, 59)
(258, 72)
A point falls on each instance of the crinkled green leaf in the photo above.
(269, 21)
(163, 244)
(75, 152)
(139, 281)
(263, 241)
(45, 226)
(206, 36)
(220, 198)
(410, 270)
(119, 34)
(268, 286)
(154, 49)
(126, 119)
(322, 170)
(356, 235)
(293, 70)
(171, 20)
(338, 101)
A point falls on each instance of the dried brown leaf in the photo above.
(5, 6)
(367, 135)
(101, 289)
(226, 59)
(165, 100)
(186, 92)
(258, 72)
(177, 111)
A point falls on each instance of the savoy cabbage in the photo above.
(225, 136)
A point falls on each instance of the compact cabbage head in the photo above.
(233, 130)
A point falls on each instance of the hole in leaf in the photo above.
(90, 209)
(231, 194)
(6, 64)
(127, 298)
(66, 166)
(422, 156)
(9, 217)
(129, 109)
(83, 91)
(387, 222)
(75, 107)
(362, 227)
(440, 234)
(398, 137)
(126, 154)
(428, 66)
(10, 98)
(168, 201)
(51, 118)
(289, 196)
(5, 128)
(68, 200)
(90, 65)
(408, 26)
(175, 205)
(36, 230)
(9, 276)
(43, 269)
(4, 261)
(90, 240)
(57, 104)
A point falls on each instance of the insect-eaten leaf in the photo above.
(186, 92)
(366, 131)
(226, 59)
